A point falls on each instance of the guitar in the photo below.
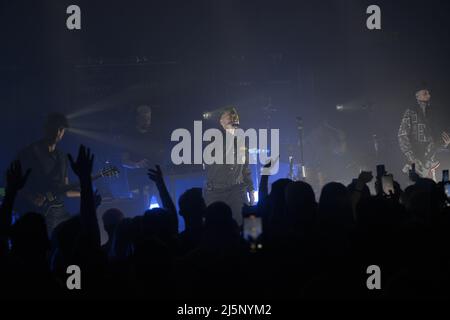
(424, 169)
(53, 199)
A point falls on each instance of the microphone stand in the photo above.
(301, 175)
(375, 146)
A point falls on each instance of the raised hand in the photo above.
(156, 174)
(446, 139)
(268, 166)
(15, 179)
(365, 177)
(84, 163)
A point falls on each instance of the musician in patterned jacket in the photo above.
(415, 135)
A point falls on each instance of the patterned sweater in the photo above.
(415, 137)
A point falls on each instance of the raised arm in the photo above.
(363, 179)
(15, 181)
(263, 191)
(82, 167)
(156, 175)
(247, 175)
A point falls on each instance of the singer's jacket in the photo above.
(224, 176)
(415, 137)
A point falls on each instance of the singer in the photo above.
(230, 183)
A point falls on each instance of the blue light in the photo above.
(154, 203)
(255, 196)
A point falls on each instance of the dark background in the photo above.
(301, 58)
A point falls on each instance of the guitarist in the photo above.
(48, 173)
(416, 139)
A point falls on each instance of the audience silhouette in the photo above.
(309, 249)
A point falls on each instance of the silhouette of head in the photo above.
(221, 230)
(373, 212)
(300, 202)
(277, 198)
(29, 236)
(278, 190)
(425, 199)
(123, 238)
(67, 235)
(156, 223)
(335, 206)
(192, 206)
(111, 219)
(218, 214)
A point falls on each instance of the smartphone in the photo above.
(381, 170)
(252, 231)
(447, 189)
(446, 182)
(387, 182)
(445, 176)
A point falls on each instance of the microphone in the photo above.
(207, 115)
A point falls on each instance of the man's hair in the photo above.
(228, 109)
(423, 85)
(54, 122)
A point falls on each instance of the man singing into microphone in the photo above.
(230, 183)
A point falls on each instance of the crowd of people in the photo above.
(309, 249)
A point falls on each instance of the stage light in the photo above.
(207, 115)
(153, 206)
(354, 106)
